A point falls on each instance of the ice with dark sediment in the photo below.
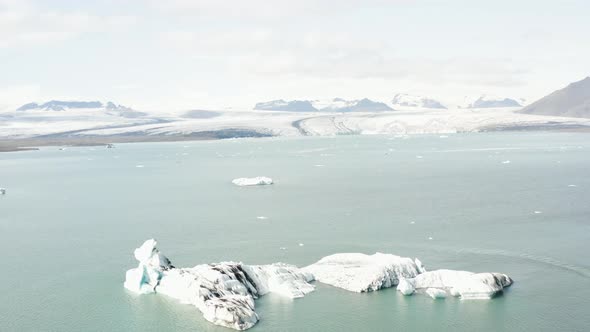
(224, 292)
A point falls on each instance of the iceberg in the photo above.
(467, 285)
(224, 292)
(364, 273)
(256, 181)
(2, 191)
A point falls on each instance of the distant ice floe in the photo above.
(261, 217)
(256, 181)
(506, 162)
(225, 292)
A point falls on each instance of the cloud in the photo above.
(275, 10)
(22, 24)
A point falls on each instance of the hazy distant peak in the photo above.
(406, 100)
(282, 105)
(489, 101)
(343, 105)
(60, 106)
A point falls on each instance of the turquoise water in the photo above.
(71, 219)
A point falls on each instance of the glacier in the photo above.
(224, 292)
(255, 181)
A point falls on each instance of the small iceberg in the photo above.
(467, 285)
(224, 292)
(2, 191)
(256, 181)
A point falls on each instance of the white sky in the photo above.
(182, 54)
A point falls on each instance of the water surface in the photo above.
(71, 219)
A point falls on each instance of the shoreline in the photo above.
(35, 143)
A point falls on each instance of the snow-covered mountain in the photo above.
(488, 101)
(571, 101)
(342, 105)
(332, 105)
(406, 100)
(81, 106)
(289, 106)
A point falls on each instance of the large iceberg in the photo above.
(364, 273)
(256, 181)
(467, 285)
(224, 292)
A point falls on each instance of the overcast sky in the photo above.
(182, 54)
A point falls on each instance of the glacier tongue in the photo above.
(224, 292)
(364, 273)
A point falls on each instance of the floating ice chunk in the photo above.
(262, 217)
(2, 191)
(572, 185)
(467, 285)
(406, 286)
(301, 244)
(319, 165)
(436, 293)
(537, 212)
(419, 157)
(148, 273)
(412, 222)
(362, 273)
(139, 166)
(506, 162)
(223, 292)
(283, 248)
(430, 237)
(256, 181)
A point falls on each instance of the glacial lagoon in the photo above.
(516, 203)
